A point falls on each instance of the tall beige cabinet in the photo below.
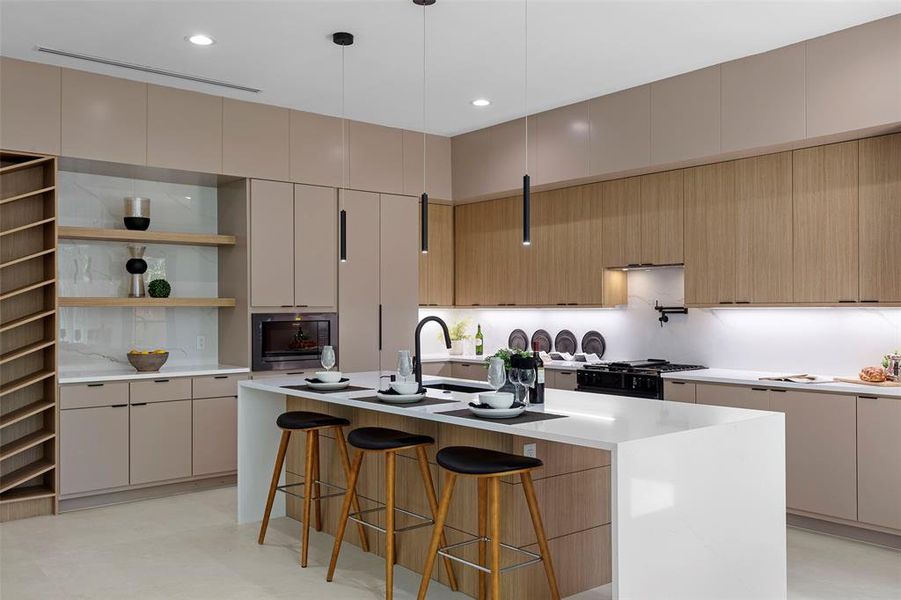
(379, 282)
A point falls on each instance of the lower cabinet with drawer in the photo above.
(468, 370)
(563, 380)
(736, 396)
(440, 369)
(160, 441)
(679, 391)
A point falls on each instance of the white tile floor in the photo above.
(188, 547)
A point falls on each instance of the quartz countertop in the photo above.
(127, 373)
(741, 377)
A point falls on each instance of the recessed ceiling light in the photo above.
(199, 39)
(481, 102)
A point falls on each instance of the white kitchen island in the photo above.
(697, 492)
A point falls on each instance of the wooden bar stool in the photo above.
(489, 467)
(311, 423)
(388, 442)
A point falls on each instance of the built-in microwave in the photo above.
(292, 341)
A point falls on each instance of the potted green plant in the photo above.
(506, 354)
(458, 336)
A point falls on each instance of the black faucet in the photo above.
(417, 362)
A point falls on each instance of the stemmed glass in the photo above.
(327, 358)
(527, 379)
(497, 373)
(404, 365)
(514, 379)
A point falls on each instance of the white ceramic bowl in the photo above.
(328, 376)
(497, 399)
(405, 388)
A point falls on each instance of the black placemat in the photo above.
(529, 416)
(427, 401)
(306, 388)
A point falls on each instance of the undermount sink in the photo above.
(456, 387)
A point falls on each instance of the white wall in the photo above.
(835, 341)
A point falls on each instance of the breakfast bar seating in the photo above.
(311, 423)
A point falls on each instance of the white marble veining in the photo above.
(820, 340)
(129, 374)
(752, 378)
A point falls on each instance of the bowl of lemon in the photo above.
(148, 361)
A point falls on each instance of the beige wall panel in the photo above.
(620, 131)
(376, 158)
(438, 160)
(685, 116)
(471, 170)
(29, 106)
(507, 154)
(316, 149)
(255, 140)
(184, 130)
(561, 143)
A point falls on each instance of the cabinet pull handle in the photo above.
(871, 301)
(868, 397)
(848, 301)
(677, 382)
(303, 306)
(742, 301)
(220, 376)
(95, 385)
(139, 404)
(287, 306)
(777, 390)
(295, 373)
(726, 302)
(160, 381)
(572, 303)
(754, 389)
(566, 372)
(118, 405)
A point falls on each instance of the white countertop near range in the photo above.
(127, 373)
(749, 378)
(472, 358)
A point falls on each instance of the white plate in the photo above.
(497, 413)
(399, 398)
(339, 385)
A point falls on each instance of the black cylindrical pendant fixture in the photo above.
(526, 211)
(342, 236)
(424, 223)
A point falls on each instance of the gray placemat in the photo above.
(427, 401)
(529, 416)
(306, 388)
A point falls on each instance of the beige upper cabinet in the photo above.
(436, 267)
(620, 134)
(103, 118)
(315, 247)
(438, 160)
(685, 116)
(662, 218)
(763, 99)
(879, 461)
(271, 243)
(763, 259)
(255, 140)
(621, 222)
(317, 151)
(29, 106)
(507, 156)
(469, 159)
(825, 205)
(561, 143)
(184, 130)
(880, 219)
(375, 158)
(710, 234)
(399, 280)
(854, 78)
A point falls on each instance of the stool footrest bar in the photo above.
(284, 490)
(357, 517)
(535, 558)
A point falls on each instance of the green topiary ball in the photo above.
(159, 288)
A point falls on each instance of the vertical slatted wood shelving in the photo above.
(28, 406)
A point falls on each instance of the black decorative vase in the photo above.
(136, 266)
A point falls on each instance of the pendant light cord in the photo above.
(423, 99)
(343, 127)
(525, 77)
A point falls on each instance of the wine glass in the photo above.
(404, 364)
(497, 372)
(527, 379)
(513, 374)
(327, 358)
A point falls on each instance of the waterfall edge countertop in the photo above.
(752, 378)
(128, 373)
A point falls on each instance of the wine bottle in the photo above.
(480, 341)
(536, 392)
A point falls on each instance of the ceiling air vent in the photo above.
(146, 69)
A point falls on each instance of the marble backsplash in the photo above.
(99, 338)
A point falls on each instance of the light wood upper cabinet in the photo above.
(436, 268)
(820, 452)
(763, 259)
(271, 243)
(825, 206)
(880, 219)
(470, 274)
(399, 280)
(316, 149)
(184, 130)
(685, 116)
(103, 118)
(315, 247)
(661, 218)
(621, 222)
(438, 160)
(375, 158)
(561, 143)
(879, 461)
(710, 234)
(552, 222)
(29, 106)
(255, 140)
(620, 136)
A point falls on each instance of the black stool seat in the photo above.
(478, 461)
(380, 438)
(301, 419)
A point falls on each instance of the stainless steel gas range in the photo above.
(637, 378)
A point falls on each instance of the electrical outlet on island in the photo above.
(530, 450)
(201, 343)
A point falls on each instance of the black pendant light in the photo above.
(526, 180)
(343, 39)
(424, 198)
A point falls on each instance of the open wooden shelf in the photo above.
(25, 165)
(26, 411)
(34, 492)
(25, 442)
(26, 473)
(145, 237)
(25, 350)
(27, 257)
(28, 195)
(26, 288)
(146, 301)
(26, 319)
(31, 225)
(23, 382)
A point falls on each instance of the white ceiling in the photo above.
(576, 49)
